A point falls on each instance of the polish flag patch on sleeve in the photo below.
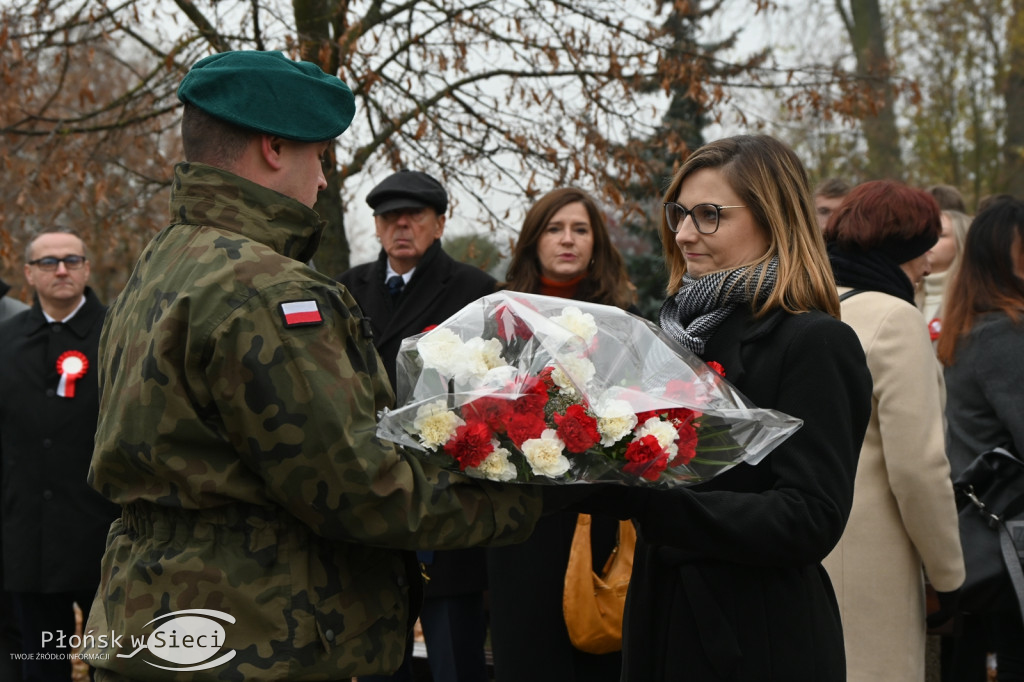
(301, 313)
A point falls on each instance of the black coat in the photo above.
(54, 524)
(439, 288)
(727, 582)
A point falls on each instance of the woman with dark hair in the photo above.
(982, 348)
(904, 513)
(563, 250)
(727, 581)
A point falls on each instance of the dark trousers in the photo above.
(1002, 634)
(455, 631)
(54, 614)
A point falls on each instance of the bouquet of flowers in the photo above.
(534, 389)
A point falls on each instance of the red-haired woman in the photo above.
(982, 348)
(904, 513)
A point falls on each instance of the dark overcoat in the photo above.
(727, 582)
(440, 287)
(54, 524)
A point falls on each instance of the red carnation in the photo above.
(717, 366)
(682, 391)
(522, 426)
(686, 442)
(646, 458)
(577, 429)
(532, 397)
(681, 415)
(470, 445)
(642, 417)
(546, 378)
(490, 411)
(534, 391)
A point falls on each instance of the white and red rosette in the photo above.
(72, 366)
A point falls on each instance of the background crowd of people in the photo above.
(234, 435)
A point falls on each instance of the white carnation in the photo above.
(572, 371)
(499, 377)
(496, 467)
(478, 357)
(615, 419)
(578, 322)
(436, 424)
(441, 349)
(663, 431)
(545, 454)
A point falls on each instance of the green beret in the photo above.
(269, 93)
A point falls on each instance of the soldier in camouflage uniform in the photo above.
(237, 429)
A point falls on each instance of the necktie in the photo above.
(395, 285)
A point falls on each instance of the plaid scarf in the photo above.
(703, 303)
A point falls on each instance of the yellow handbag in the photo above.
(592, 603)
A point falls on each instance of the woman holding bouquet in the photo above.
(727, 580)
(563, 250)
(980, 347)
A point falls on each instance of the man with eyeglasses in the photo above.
(54, 524)
(412, 286)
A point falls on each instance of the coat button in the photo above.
(47, 494)
(47, 443)
(50, 393)
(401, 581)
(56, 327)
(329, 635)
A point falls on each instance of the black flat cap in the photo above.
(407, 189)
(269, 93)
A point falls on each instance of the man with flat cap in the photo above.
(412, 286)
(263, 522)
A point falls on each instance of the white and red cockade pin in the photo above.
(72, 366)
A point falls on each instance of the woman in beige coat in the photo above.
(904, 514)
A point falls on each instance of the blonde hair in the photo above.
(961, 223)
(770, 180)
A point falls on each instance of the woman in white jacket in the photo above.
(904, 514)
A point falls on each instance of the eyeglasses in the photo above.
(705, 216)
(50, 263)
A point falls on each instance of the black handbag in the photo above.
(990, 506)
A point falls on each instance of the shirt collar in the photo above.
(390, 272)
(68, 318)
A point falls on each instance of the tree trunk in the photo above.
(867, 36)
(313, 21)
(1014, 150)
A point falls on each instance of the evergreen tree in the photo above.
(679, 133)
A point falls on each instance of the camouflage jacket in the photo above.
(239, 436)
